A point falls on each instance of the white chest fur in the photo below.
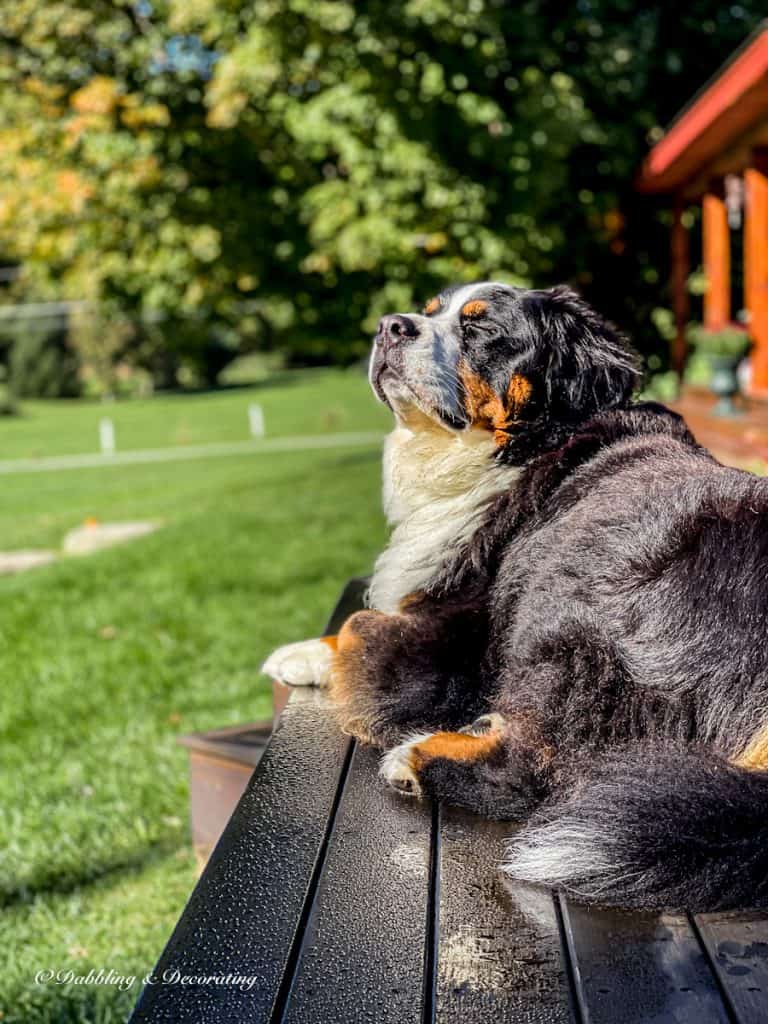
(436, 485)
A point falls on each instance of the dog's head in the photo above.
(525, 365)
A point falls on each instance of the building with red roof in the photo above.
(715, 154)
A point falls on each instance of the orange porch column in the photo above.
(681, 265)
(717, 261)
(756, 266)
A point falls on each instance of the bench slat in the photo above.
(499, 944)
(362, 958)
(737, 944)
(245, 914)
(639, 967)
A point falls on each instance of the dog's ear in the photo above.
(587, 364)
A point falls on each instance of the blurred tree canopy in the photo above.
(257, 173)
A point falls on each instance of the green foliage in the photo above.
(41, 363)
(284, 171)
(726, 342)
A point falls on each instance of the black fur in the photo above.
(612, 608)
(673, 826)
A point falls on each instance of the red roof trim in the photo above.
(731, 84)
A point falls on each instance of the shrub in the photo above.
(40, 362)
(728, 341)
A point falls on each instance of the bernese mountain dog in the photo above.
(568, 625)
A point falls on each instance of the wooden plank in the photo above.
(363, 954)
(639, 967)
(245, 915)
(737, 943)
(500, 956)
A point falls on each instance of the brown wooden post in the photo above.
(756, 266)
(680, 269)
(716, 241)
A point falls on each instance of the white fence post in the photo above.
(107, 436)
(256, 420)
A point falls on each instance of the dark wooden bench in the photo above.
(340, 901)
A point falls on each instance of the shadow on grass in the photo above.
(62, 881)
(63, 1000)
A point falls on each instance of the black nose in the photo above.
(395, 327)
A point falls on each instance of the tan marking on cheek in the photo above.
(755, 754)
(331, 641)
(518, 394)
(432, 306)
(484, 407)
(474, 309)
(454, 746)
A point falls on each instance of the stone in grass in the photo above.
(94, 536)
(20, 561)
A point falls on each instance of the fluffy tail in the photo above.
(656, 828)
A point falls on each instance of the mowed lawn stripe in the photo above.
(268, 446)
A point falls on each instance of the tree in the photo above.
(288, 170)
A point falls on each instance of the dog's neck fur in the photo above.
(436, 484)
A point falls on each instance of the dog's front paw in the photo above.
(307, 663)
(398, 766)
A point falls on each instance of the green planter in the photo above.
(723, 350)
(725, 383)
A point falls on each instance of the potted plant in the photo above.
(723, 349)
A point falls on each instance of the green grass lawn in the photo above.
(294, 402)
(95, 860)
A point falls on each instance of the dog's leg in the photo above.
(392, 675)
(490, 767)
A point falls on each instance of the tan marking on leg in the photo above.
(349, 655)
(349, 637)
(401, 765)
(755, 754)
(454, 746)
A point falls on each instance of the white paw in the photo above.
(307, 663)
(396, 766)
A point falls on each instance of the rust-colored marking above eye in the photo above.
(474, 309)
(432, 306)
